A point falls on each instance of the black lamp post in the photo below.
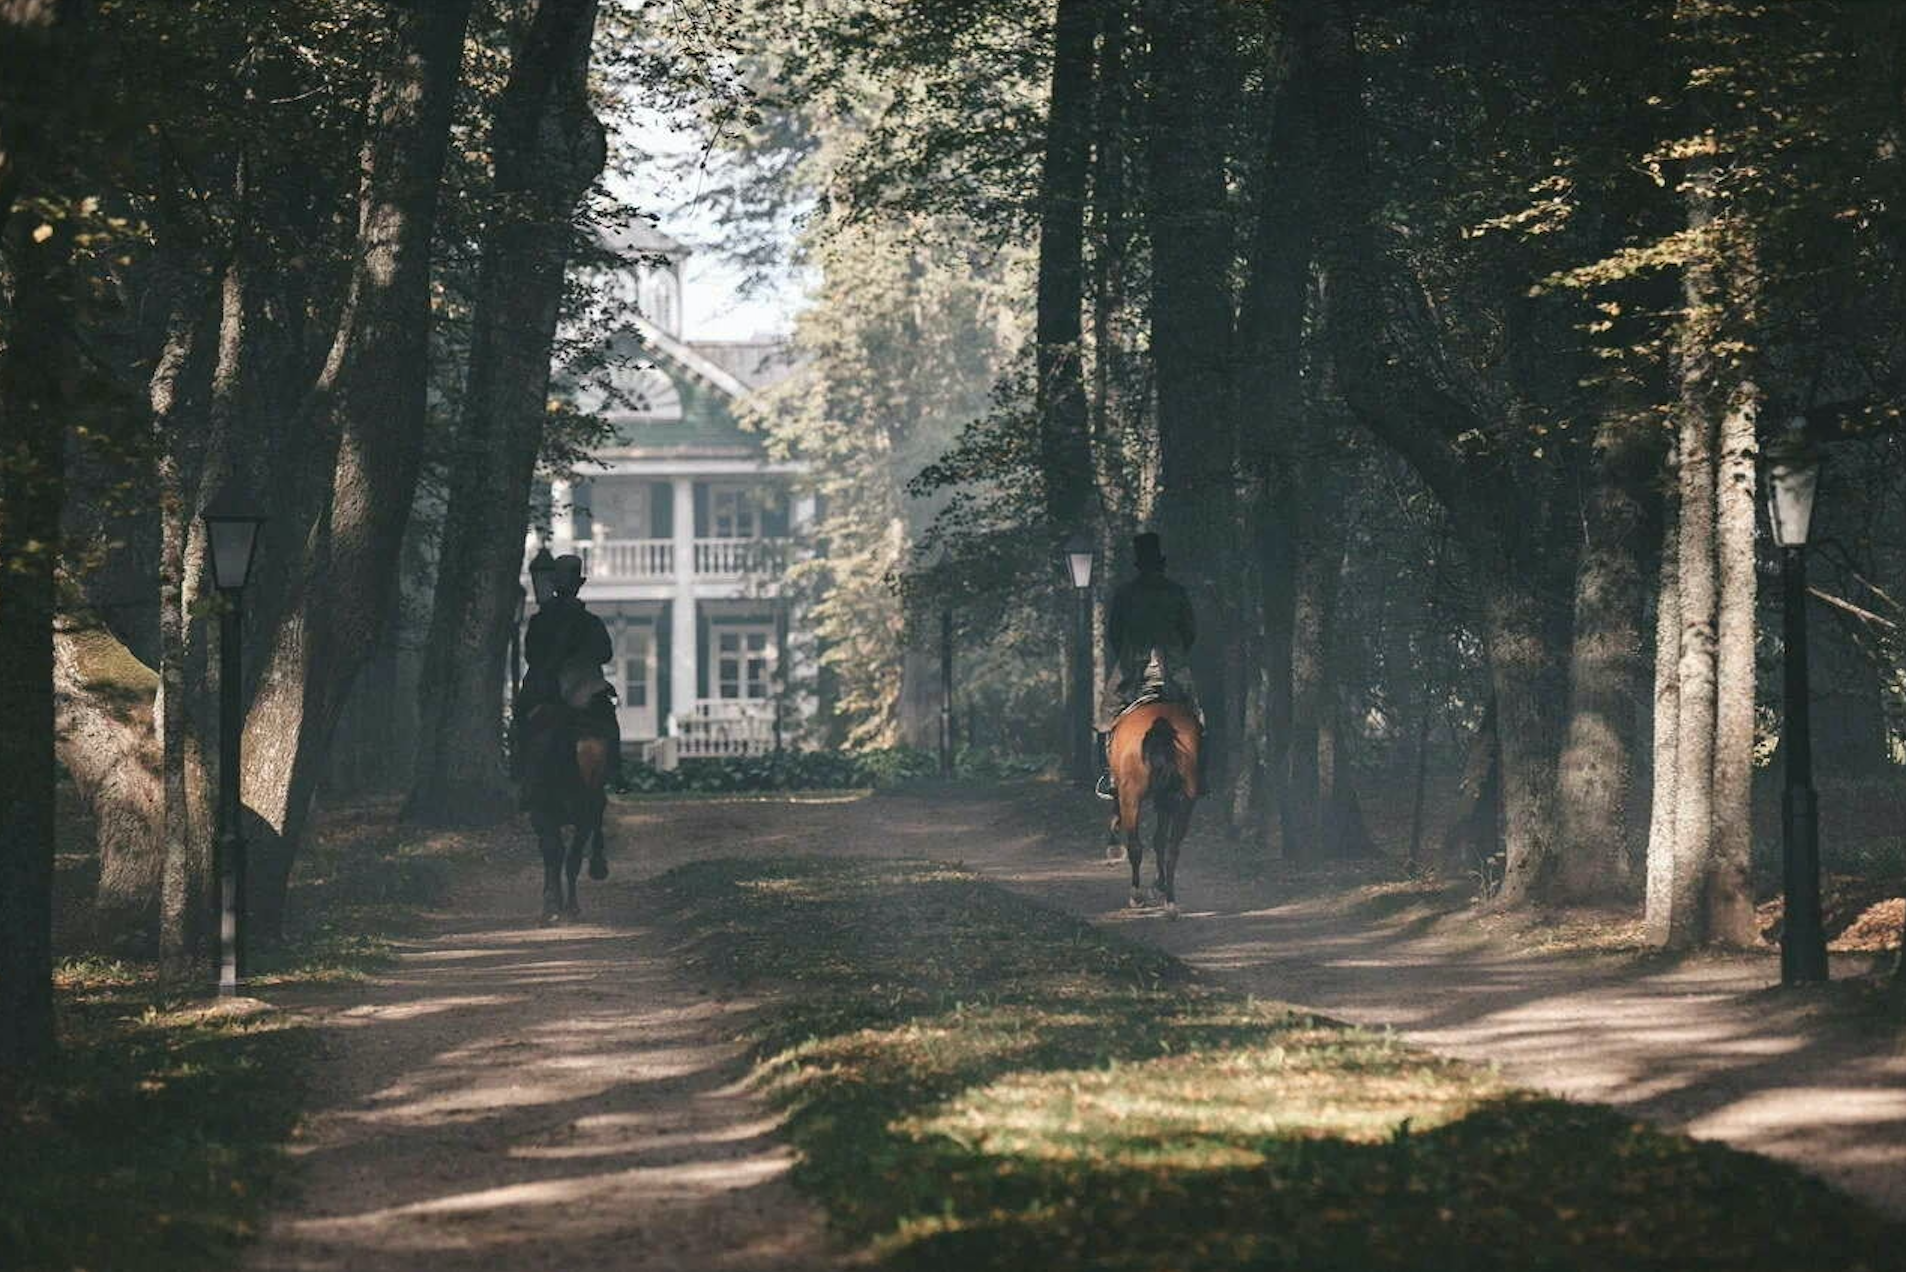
(231, 530)
(946, 665)
(516, 644)
(1078, 556)
(1792, 468)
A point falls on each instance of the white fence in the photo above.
(718, 727)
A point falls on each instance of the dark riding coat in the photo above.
(1149, 612)
(559, 631)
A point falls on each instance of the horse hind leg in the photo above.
(549, 838)
(572, 866)
(1172, 828)
(598, 854)
(1114, 842)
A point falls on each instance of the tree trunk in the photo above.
(371, 399)
(549, 147)
(1606, 667)
(1730, 893)
(1307, 788)
(32, 470)
(1064, 448)
(1665, 785)
(1695, 585)
(1271, 399)
(1191, 332)
(1524, 673)
(103, 703)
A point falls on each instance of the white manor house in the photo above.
(683, 524)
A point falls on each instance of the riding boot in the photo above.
(1105, 789)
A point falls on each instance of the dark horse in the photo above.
(1154, 756)
(568, 787)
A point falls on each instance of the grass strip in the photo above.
(976, 1081)
(155, 1137)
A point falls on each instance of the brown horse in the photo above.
(568, 787)
(1153, 752)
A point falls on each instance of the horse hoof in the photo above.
(1171, 909)
(598, 868)
(1138, 900)
(551, 918)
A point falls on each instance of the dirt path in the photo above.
(512, 1096)
(1710, 1046)
(519, 1097)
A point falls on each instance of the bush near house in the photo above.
(821, 770)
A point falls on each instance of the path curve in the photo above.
(1708, 1045)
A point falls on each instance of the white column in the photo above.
(562, 516)
(681, 659)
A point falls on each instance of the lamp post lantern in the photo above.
(542, 575)
(1791, 466)
(231, 532)
(1079, 560)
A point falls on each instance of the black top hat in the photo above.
(568, 578)
(1146, 548)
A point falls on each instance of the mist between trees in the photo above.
(1437, 339)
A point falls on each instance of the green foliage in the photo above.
(974, 1081)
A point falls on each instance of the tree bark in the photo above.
(1665, 789)
(1064, 445)
(36, 78)
(32, 471)
(370, 397)
(1524, 665)
(1606, 661)
(1271, 420)
(1191, 332)
(103, 704)
(1730, 895)
(548, 148)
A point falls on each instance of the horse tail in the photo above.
(1160, 751)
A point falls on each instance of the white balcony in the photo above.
(635, 560)
(717, 727)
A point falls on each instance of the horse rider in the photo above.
(565, 647)
(1149, 631)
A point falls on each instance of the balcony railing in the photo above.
(736, 558)
(724, 726)
(653, 560)
(638, 559)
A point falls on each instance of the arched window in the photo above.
(649, 396)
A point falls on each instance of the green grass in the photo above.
(155, 1137)
(974, 1081)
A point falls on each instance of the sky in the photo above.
(712, 305)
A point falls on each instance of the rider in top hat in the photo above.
(1149, 614)
(565, 646)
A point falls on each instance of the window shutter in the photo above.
(701, 510)
(661, 510)
(701, 652)
(774, 512)
(664, 668)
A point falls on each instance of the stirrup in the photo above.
(1104, 789)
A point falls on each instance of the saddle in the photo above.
(580, 684)
(1154, 684)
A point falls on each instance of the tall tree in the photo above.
(547, 146)
(37, 69)
(368, 406)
